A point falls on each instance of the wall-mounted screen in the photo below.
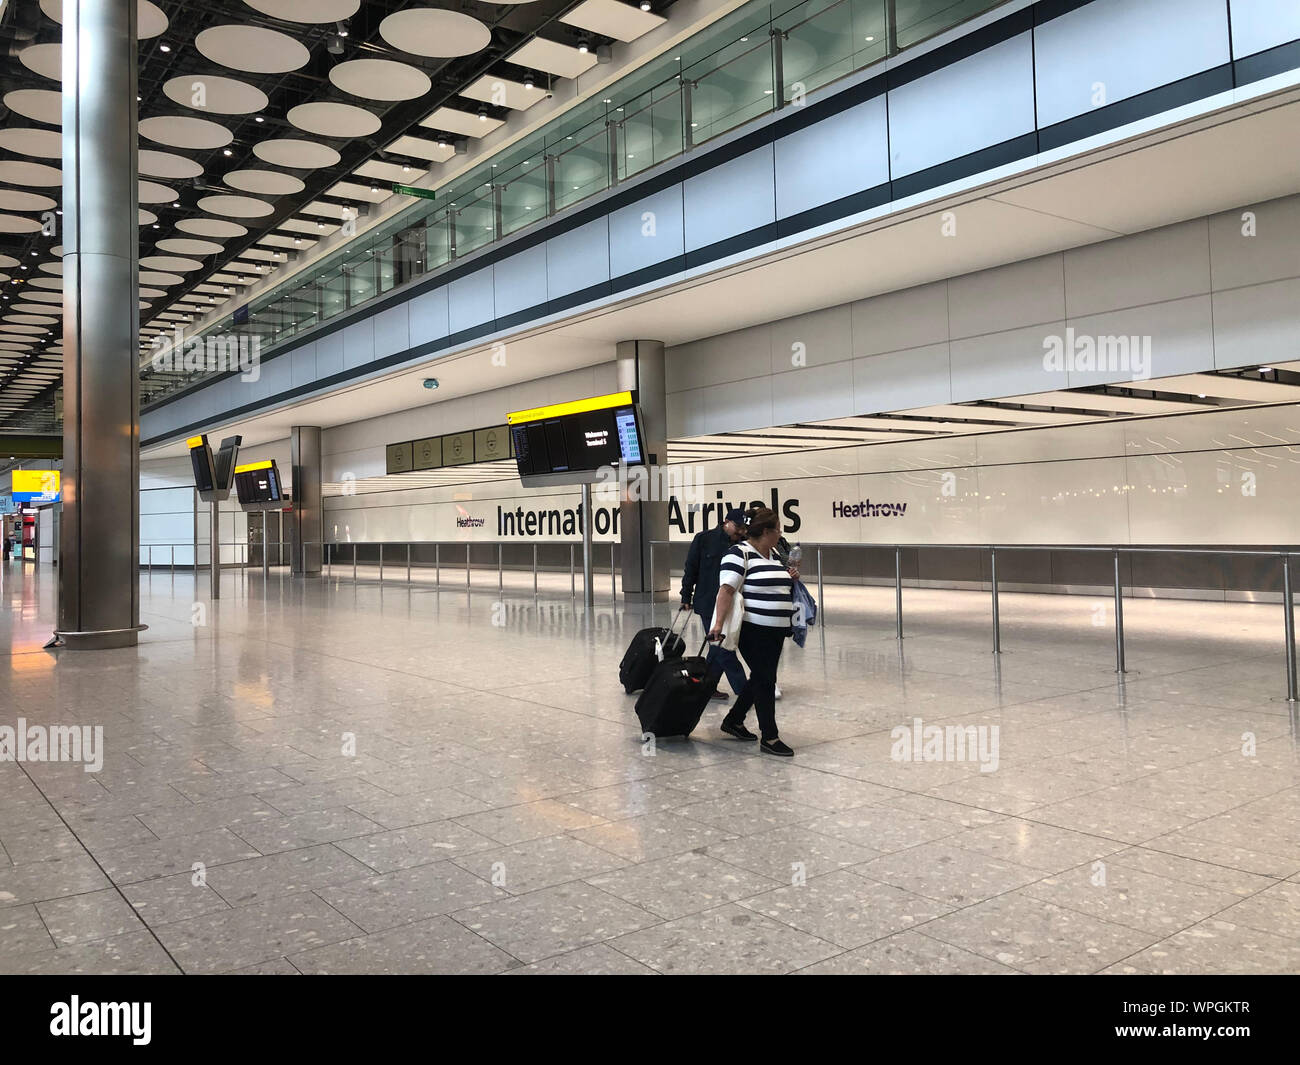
(258, 485)
(574, 440)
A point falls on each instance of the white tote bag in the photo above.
(731, 625)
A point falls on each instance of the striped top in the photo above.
(767, 586)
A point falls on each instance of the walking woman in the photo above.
(753, 567)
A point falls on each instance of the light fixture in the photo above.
(442, 143)
(584, 46)
(645, 5)
(320, 225)
(430, 383)
(342, 28)
(227, 153)
(176, 204)
(406, 169)
(164, 48)
(529, 84)
(259, 118)
(482, 114)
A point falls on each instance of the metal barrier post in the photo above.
(329, 557)
(652, 583)
(898, 593)
(501, 574)
(573, 581)
(408, 561)
(150, 557)
(613, 581)
(1288, 619)
(821, 601)
(173, 562)
(1119, 620)
(437, 565)
(354, 562)
(993, 581)
(381, 562)
(534, 569)
(466, 563)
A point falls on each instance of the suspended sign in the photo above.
(36, 486)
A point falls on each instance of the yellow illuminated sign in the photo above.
(577, 406)
(194, 441)
(265, 464)
(40, 482)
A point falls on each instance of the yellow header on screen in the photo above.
(194, 441)
(247, 467)
(35, 481)
(577, 406)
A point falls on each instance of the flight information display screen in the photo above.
(581, 442)
(261, 485)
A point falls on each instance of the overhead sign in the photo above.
(258, 486)
(36, 486)
(454, 449)
(411, 190)
(568, 443)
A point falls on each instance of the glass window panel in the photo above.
(582, 170)
(523, 195)
(918, 20)
(739, 90)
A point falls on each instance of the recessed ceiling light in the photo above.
(259, 118)
(227, 152)
(164, 48)
(645, 5)
(583, 46)
(482, 114)
(528, 82)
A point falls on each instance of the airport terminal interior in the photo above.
(590, 487)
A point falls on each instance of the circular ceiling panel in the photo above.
(7, 262)
(170, 262)
(187, 246)
(145, 218)
(266, 182)
(215, 94)
(235, 206)
(34, 330)
(252, 49)
(178, 131)
(44, 297)
(57, 250)
(43, 143)
(299, 154)
(153, 293)
(167, 165)
(40, 308)
(16, 172)
(435, 32)
(51, 268)
(315, 12)
(12, 223)
(43, 59)
(43, 105)
(149, 17)
(151, 192)
(334, 120)
(380, 79)
(13, 200)
(152, 277)
(211, 227)
(45, 282)
(31, 319)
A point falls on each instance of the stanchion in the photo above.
(993, 582)
(1119, 620)
(1288, 624)
(898, 593)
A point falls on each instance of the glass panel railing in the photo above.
(760, 58)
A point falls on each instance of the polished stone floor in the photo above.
(335, 777)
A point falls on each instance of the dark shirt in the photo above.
(700, 578)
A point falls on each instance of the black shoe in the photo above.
(776, 747)
(718, 695)
(731, 728)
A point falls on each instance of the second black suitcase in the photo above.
(676, 694)
(644, 653)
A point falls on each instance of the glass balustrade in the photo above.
(758, 59)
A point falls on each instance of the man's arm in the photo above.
(691, 572)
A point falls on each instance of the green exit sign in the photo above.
(411, 190)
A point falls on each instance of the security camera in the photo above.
(431, 382)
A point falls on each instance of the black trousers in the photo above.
(760, 646)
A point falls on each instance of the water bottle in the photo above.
(796, 553)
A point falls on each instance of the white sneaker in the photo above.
(778, 691)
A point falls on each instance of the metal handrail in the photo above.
(1285, 554)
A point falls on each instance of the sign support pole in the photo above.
(588, 592)
(214, 551)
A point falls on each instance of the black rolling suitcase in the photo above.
(676, 694)
(649, 648)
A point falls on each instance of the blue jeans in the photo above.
(723, 661)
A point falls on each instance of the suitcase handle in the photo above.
(677, 617)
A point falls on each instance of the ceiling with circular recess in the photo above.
(261, 122)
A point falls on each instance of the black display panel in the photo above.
(579, 443)
(259, 486)
(201, 460)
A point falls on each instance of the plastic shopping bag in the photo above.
(805, 612)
